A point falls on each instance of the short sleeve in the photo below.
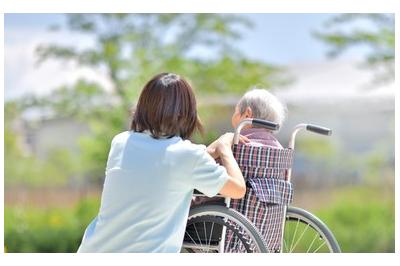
(208, 177)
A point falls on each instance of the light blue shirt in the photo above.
(147, 193)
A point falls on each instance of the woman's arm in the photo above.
(235, 187)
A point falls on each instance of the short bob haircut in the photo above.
(167, 108)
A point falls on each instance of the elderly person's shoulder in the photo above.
(261, 138)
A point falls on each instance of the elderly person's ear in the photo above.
(248, 113)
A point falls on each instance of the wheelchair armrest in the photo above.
(197, 193)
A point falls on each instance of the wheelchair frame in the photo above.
(319, 226)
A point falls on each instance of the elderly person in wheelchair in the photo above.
(267, 191)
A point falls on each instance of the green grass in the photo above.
(47, 229)
(362, 219)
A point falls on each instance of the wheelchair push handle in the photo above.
(319, 129)
(254, 122)
(309, 127)
(264, 123)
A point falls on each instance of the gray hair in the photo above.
(263, 105)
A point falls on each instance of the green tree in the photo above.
(130, 48)
(377, 33)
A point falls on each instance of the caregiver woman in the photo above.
(152, 170)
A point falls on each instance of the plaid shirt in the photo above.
(264, 169)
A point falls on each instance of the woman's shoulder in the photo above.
(188, 146)
(188, 149)
(120, 136)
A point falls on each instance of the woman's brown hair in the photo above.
(167, 107)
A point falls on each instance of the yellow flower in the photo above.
(55, 220)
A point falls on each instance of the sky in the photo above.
(283, 39)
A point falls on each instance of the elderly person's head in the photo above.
(261, 104)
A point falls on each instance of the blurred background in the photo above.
(71, 81)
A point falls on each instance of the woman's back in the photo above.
(147, 191)
(152, 171)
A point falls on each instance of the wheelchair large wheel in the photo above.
(208, 225)
(305, 233)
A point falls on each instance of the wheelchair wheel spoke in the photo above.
(323, 244)
(205, 235)
(218, 228)
(286, 236)
(236, 244)
(230, 238)
(284, 244)
(305, 233)
(197, 233)
(194, 242)
(312, 243)
(294, 235)
(301, 236)
(212, 229)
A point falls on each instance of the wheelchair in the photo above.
(263, 221)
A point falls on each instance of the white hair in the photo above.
(263, 105)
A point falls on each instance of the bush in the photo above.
(47, 230)
(362, 220)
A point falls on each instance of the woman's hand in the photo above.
(223, 145)
(235, 186)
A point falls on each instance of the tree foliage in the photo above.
(377, 33)
(128, 49)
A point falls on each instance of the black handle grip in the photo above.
(319, 130)
(264, 123)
